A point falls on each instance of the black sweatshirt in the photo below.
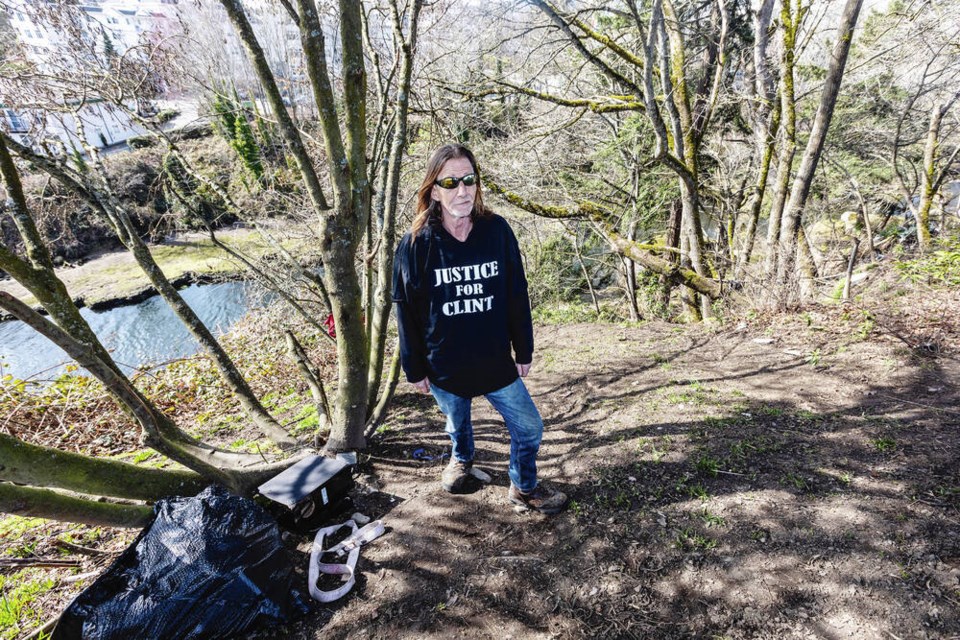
(460, 307)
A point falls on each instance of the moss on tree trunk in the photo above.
(31, 464)
(44, 503)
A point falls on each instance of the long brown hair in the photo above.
(428, 209)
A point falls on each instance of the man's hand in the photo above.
(423, 386)
(523, 369)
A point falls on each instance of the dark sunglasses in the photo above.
(451, 183)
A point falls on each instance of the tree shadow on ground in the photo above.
(750, 499)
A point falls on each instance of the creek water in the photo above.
(136, 334)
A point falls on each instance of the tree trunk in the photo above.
(630, 276)
(393, 377)
(818, 133)
(767, 124)
(345, 142)
(349, 413)
(686, 147)
(382, 300)
(928, 177)
(25, 463)
(806, 266)
(756, 204)
(29, 502)
(850, 264)
(693, 235)
(583, 270)
(689, 298)
(790, 23)
(671, 241)
(868, 228)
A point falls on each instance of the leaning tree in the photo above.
(351, 186)
(31, 473)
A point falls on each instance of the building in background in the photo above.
(108, 28)
(203, 40)
(113, 24)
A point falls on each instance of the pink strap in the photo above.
(316, 567)
(350, 544)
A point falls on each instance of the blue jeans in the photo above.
(521, 417)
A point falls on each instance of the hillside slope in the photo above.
(795, 477)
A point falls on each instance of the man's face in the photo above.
(456, 202)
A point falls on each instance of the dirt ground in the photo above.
(788, 476)
(794, 478)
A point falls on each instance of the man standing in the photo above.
(462, 304)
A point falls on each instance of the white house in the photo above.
(102, 125)
(213, 47)
(115, 24)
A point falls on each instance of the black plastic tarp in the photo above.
(211, 566)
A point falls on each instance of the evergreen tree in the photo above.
(109, 51)
(246, 146)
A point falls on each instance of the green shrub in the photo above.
(167, 115)
(553, 274)
(650, 294)
(937, 268)
(224, 109)
(246, 146)
(141, 142)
